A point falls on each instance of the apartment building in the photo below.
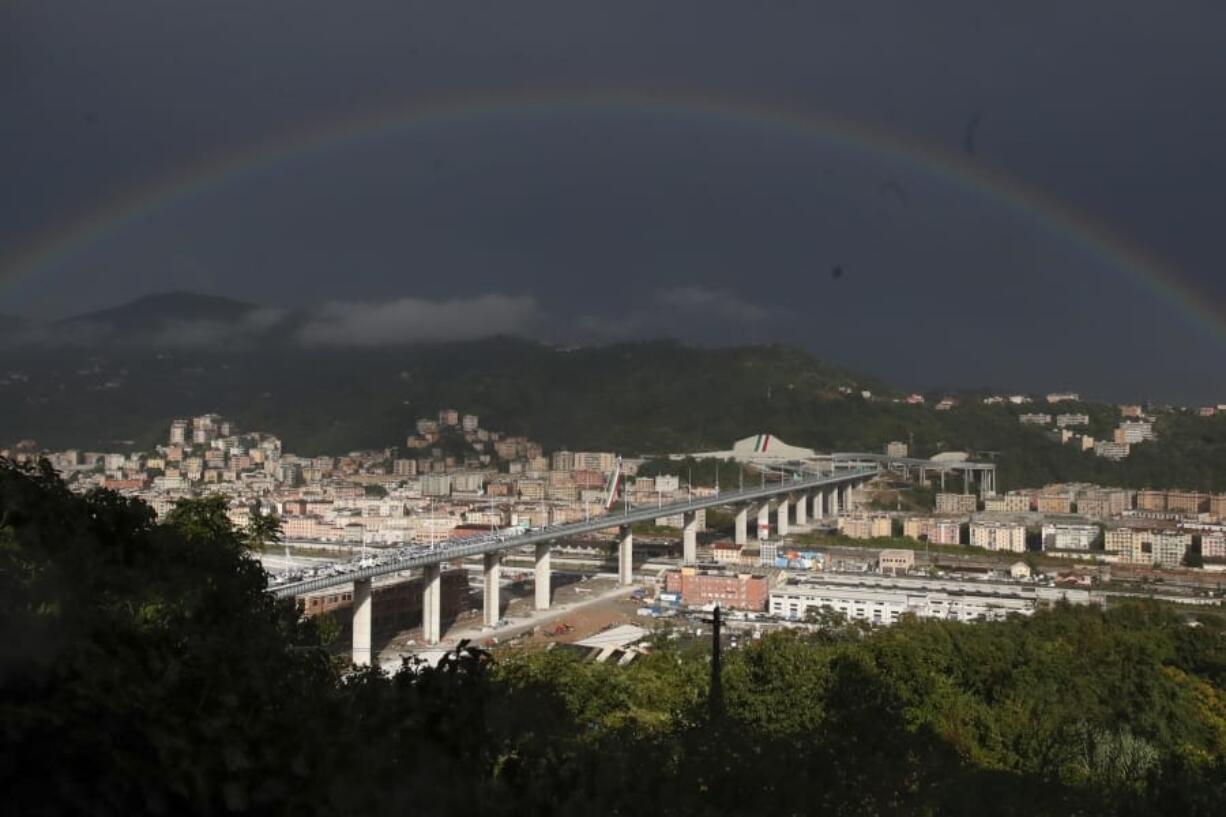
(602, 461)
(1213, 545)
(956, 503)
(1134, 431)
(1112, 450)
(1067, 420)
(1004, 536)
(896, 449)
(1069, 536)
(1217, 505)
(1035, 419)
(1151, 501)
(865, 526)
(1054, 503)
(530, 489)
(1146, 546)
(938, 531)
(1187, 502)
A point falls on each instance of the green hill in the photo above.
(637, 399)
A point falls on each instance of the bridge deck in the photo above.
(408, 558)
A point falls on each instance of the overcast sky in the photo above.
(608, 222)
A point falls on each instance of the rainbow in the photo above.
(62, 241)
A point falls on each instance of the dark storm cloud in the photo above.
(409, 320)
(592, 219)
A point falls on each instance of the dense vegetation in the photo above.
(144, 670)
(641, 398)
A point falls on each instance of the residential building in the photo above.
(530, 488)
(896, 449)
(1111, 450)
(726, 552)
(865, 526)
(956, 503)
(1066, 420)
(1187, 502)
(1213, 545)
(1148, 546)
(1151, 500)
(1035, 419)
(1133, 432)
(1012, 502)
(998, 536)
(1064, 397)
(470, 423)
(1131, 411)
(562, 461)
(1217, 505)
(602, 461)
(937, 530)
(436, 485)
(1068, 536)
(1054, 503)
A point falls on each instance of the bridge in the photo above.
(793, 496)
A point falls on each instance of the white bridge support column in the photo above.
(493, 577)
(819, 505)
(625, 555)
(431, 604)
(543, 589)
(802, 517)
(764, 519)
(361, 622)
(781, 516)
(832, 501)
(741, 533)
(689, 539)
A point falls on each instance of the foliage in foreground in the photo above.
(144, 670)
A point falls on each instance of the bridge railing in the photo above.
(406, 558)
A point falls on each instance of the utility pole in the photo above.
(716, 697)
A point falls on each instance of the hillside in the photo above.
(637, 398)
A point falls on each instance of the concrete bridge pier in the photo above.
(764, 520)
(781, 516)
(741, 533)
(832, 502)
(802, 502)
(493, 576)
(543, 589)
(689, 538)
(819, 505)
(625, 555)
(431, 604)
(362, 626)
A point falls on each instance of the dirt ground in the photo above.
(586, 606)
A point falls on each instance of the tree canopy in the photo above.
(144, 669)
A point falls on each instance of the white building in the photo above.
(1069, 536)
(885, 599)
(999, 536)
